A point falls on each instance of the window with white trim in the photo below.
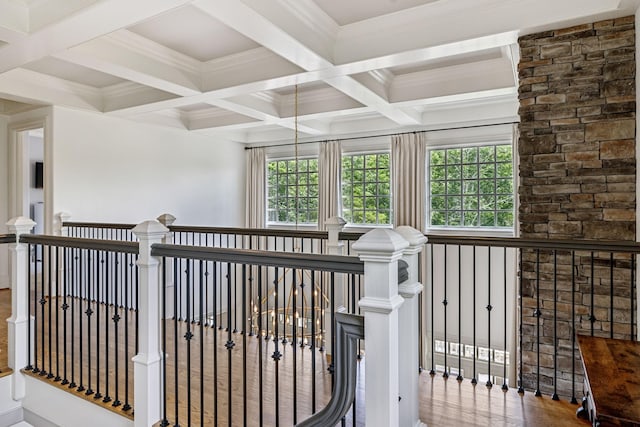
(366, 189)
(471, 186)
(292, 191)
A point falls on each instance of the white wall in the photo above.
(108, 169)
(4, 198)
(36, 195)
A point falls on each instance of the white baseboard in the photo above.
(10, 410)
(43, 401)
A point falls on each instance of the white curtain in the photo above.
(408, 153)
(329, 160)
(255, 189)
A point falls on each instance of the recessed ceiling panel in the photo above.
(193, 33)
(348, 12)
(304, 87)
(195, 107)
(75, 73)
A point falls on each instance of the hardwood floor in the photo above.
(442, 402)
(5, 313)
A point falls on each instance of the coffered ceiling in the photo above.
(229, 68)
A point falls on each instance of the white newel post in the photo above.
(168, 220)
(334, 226)
(147, 363)
(18, 322)
(335, 246)
(409, 331)
(60, 229)
(380, 250)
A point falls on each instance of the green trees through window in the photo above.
(471, 186)
(366, 189)
(292, 191)
(468, 187)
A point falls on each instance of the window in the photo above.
(292, 191)
(471, 186)
(366, 189)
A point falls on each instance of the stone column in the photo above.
(147, 363)
(408, 334)
(380, 249)
(18, 322)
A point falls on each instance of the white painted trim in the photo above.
(129, 40)
(45, 401)
(42, 118)
(10, 410)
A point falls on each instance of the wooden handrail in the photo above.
(7, 238)
(514, 242)
(81, 243)
(334, 263)
(114, 226)
(278, 232)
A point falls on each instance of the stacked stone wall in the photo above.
(577, 181)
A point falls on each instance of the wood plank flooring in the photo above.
(442, 402)
(5, 313)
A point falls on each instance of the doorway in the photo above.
(29, 174)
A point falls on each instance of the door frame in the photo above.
(19, 168)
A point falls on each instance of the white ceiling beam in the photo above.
(266, 105)
(45, 13)
(46, 89)
(273, 26)
(366, 96)
(121, 95)
(513, 53)
(259, 114)
(432, 24)
(86, 24)
(122, 55)
(14, 21)
(198, 121)
(258, 65)
(454, 80)
(290, 39)
(349, 64)
(172, 119)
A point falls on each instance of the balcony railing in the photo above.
(496, 311)
(506, 308)
(196, 318)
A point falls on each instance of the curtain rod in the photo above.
(315, 141)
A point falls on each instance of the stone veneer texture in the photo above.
(577, 181)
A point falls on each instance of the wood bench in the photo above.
(612, 380)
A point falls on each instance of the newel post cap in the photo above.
(20, 225)
(379, 244)
(166, 219)
(63, 216)
(335, 221)
(411, 235)
(150, 229)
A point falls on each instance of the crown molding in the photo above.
(122, 89)
(309, 13)
(141, 45)
(383, 76)
(239, 59)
